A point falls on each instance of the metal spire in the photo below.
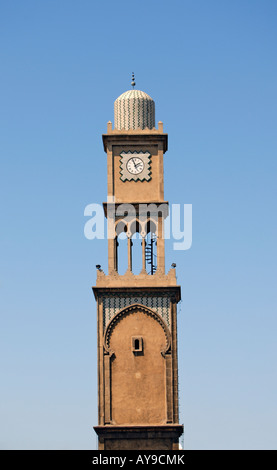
(133, 80)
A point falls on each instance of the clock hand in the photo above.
(137, 164)
(134, 163)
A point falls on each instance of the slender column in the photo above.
(174, 361)
(116, 254)
(160, 247)
(100, 361)
(111, 255)
(169, 404)
(112, 248)
(160, 255)
(129, 255)
(107, 391)
(143, 244)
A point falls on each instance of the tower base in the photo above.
(163, 437)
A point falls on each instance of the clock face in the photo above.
(135, 165)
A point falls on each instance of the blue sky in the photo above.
(211, 68)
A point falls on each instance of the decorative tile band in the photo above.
(112, 304)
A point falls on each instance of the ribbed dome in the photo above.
(134, 109)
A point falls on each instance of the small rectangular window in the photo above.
(137, 344)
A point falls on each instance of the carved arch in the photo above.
(130, 310)
(120, 226)
(143, 227)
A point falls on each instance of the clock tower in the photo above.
(136, 308)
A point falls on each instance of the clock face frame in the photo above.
(135, 166)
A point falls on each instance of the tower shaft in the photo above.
(136, 313)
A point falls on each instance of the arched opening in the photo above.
(151, 247)
(135, 229)
(121, 248)
(133, 353)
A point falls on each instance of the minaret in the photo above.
(136, 313)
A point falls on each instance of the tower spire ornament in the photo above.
(133, 80)
(136, 309)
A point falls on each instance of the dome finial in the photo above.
(133, 80)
